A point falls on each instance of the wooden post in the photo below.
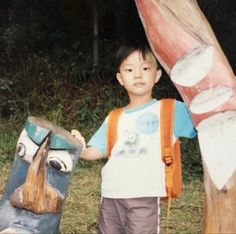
(45, 157)
(185, 45)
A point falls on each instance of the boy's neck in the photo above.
(138, 101)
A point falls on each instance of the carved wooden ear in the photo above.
(36, 194)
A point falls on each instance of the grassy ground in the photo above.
(80, 213)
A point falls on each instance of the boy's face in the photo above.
(137, 75)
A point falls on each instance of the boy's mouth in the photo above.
(138, 84)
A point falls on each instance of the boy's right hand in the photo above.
(78, 135)
(90, 153)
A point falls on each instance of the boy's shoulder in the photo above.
(178, 103)
(153, 104)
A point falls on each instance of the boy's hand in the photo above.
(90, 153)
(78, 135)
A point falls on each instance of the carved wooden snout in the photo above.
(36, 194)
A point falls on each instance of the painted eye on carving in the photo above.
(26, 148)
(20, 150)
(60, 160)
(57, 164)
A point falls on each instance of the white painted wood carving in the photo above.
(187, 48)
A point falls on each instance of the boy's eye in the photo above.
(128, 70)
(146, 68)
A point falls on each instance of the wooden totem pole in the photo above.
(37, 186)
(187, 48)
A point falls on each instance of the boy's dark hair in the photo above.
(128, 48)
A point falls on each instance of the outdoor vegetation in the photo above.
(56, 63)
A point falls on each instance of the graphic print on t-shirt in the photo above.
(147, 123)
(130, 141)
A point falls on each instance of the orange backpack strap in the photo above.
(112, 124)
(167, 117)
(170, 153)
(167, 153)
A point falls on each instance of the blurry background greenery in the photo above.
(56, 62)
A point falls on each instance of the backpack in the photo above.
(170, 153)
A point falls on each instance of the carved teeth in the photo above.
(193, 67)
(210, 99)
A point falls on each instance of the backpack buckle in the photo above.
(167, 158)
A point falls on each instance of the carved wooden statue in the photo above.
(187, 48)
(36, 190)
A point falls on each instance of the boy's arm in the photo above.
(90, 153)
(183, 125)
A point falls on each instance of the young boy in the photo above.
(133, 179)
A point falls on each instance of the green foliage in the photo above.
(53, 92)
(191, 159)
(8, 138)
(5, 84)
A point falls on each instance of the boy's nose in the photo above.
(138, 74)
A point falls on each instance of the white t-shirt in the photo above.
(135, 168)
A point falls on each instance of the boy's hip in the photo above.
(129, 215)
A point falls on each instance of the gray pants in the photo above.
(129, 216)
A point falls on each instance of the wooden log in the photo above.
(187, 48)
(205, 83)
(38, 196)
(45, 157)
(217, 143)
(159, 20)
(219, 207)
(186, 13)
(179, 42)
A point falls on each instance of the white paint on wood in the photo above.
(210, 99)
(62, 158)
(218, 146)
(26, 148)
(193, 67)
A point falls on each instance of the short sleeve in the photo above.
(183, 125)
(98, 140)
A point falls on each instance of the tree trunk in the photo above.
(186, 46)
(95, 34)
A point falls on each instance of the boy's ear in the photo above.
(158, 75)
(118, 77)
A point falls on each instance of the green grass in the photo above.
(80, 214)
(186, 211)
(81, 208)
